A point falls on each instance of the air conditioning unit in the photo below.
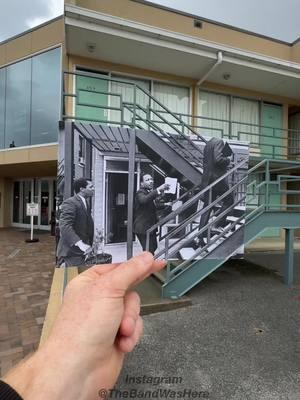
(81, 161)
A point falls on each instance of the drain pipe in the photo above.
(218, 62)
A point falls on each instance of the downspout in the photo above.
(218, 62)
(199, 83)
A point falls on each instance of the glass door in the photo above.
(41, 191)
(45, 203)
(22, 194)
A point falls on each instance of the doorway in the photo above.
(116, 188)
(41, 191)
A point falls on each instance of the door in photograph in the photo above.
(116, 206)
(91, 99)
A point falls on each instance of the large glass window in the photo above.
(30, 101)
(45, 97)
(2, 106)
(246, 112)
(176, 99)
(215, 108)
(128, 94)
(228, 116)
(18, 94)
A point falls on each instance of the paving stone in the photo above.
(24, 291)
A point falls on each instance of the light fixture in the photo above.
(91, 47)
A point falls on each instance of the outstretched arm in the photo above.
(98, 324)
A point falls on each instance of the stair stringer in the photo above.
(200, 269)
(161, 153)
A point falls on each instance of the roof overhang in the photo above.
(121, 41)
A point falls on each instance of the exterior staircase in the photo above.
(188, 266)
(176, 148)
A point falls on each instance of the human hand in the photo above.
(85, 248)
(164, 186)
(98, 323)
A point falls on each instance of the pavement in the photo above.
(26, 271)
(238, 340)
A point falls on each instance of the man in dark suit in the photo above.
(145, 211)
(76, 225)
(215, 163)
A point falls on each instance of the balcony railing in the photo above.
(122, 103)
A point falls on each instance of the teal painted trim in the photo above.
(190, 277)
(289, 257)
(287, 220)
(198, 270)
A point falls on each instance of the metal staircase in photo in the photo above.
(172, 142)
(188, 266)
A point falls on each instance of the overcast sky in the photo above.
(278, 19)
(275, 18)
(17, 16)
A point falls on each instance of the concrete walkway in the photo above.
(25, 278)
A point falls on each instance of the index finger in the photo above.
(135, 270)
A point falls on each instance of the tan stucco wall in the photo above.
(295, 52)
(32, 42)
(176, 22)
(28, 154)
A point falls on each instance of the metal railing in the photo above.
(138, 108)
(170, 249)
(265, 141)
(261, 188)
(141, 112)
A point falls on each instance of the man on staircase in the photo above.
(145, 211)
(216, 159)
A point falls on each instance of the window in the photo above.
(81, 152)
(128, 92)
(228, 116)
(246, 112)
(45, 107)
(30, 100)
(18, 95)
(215, 108)
(176, 99)
(2, 106)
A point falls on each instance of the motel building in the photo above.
(83, 66)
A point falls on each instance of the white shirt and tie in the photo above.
(80, 243)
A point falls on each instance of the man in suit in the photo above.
(145, 211)
(215, 163)
(76, 225)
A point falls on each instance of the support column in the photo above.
(131, 171)
(69, 159)
(289, 257)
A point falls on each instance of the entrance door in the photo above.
(116, 206)
(91, 97)
(41, 191)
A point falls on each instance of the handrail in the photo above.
(191, 218)
(169, 136)
(195, 198)
(133, 108)
(283, 148)
(195, 232)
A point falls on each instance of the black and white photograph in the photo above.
(123, 191)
